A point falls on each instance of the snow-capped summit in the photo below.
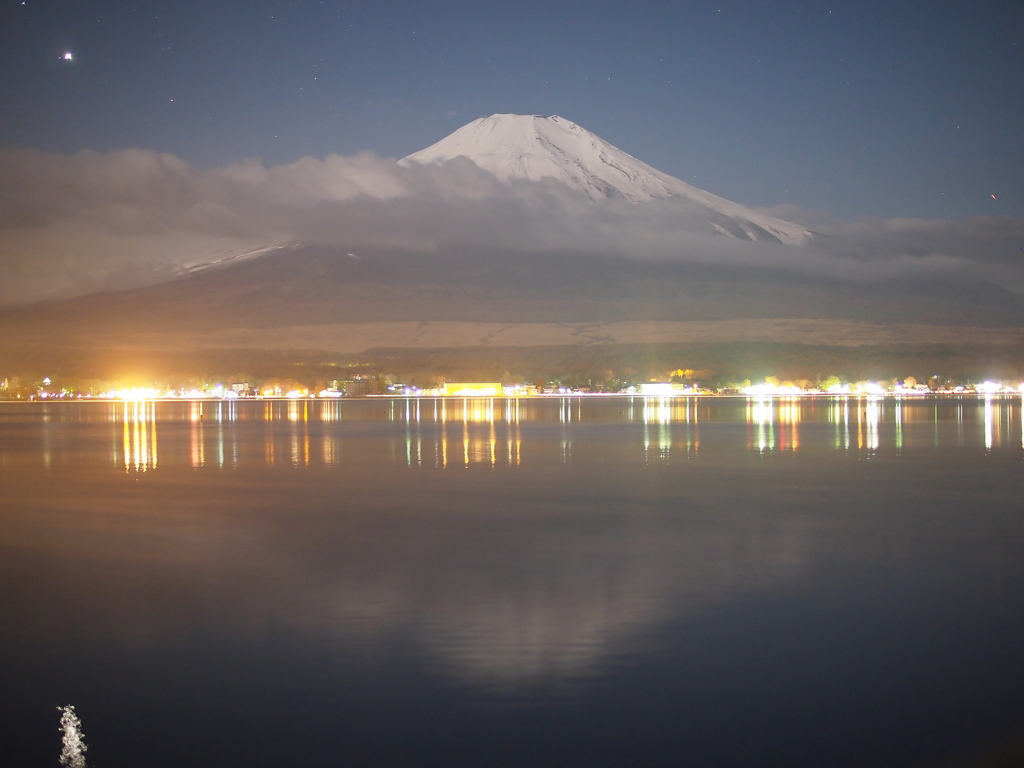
(532, 147)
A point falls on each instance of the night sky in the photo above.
(851, 110)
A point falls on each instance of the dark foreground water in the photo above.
(712, 582)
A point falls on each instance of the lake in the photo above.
(497, 582)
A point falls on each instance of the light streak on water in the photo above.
(196, 441)
(138, 436)
(565, 416)
(989, 418)
(871, 416)
(761, 414)
(494, 434)
(899, 427)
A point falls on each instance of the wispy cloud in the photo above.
(72, 224)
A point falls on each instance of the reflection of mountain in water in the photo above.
(560, 535)
(494, 590)
(577, 598)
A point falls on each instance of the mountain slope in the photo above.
(533, 148)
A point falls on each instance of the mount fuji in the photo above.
(370, 257)
(536, 148)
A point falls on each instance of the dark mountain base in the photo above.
(473, 314)
(329, 285)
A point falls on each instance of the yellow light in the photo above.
(135, 394)
(769, 389)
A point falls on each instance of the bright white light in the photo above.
(134, 394)
(870, 388)
(767, 390)
(68, 56)
(658, 389)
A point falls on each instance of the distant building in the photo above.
(354, 388)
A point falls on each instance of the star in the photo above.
(68, 56)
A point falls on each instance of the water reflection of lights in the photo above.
(840, 416)
(139, 445)
(488, 432)
(867, 412)
(298, 410)
(661, 415)
(774, 423)
(998, 422)
(330, 410)
(196, 438)
(899, 426)
(475, 430)
(760, 414)
(989, 426)
(566, 415)
(871, 416)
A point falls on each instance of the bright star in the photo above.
(68, 56)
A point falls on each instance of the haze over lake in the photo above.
(548, 581)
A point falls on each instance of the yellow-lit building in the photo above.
(471, 389)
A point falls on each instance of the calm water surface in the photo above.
(546, 582)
